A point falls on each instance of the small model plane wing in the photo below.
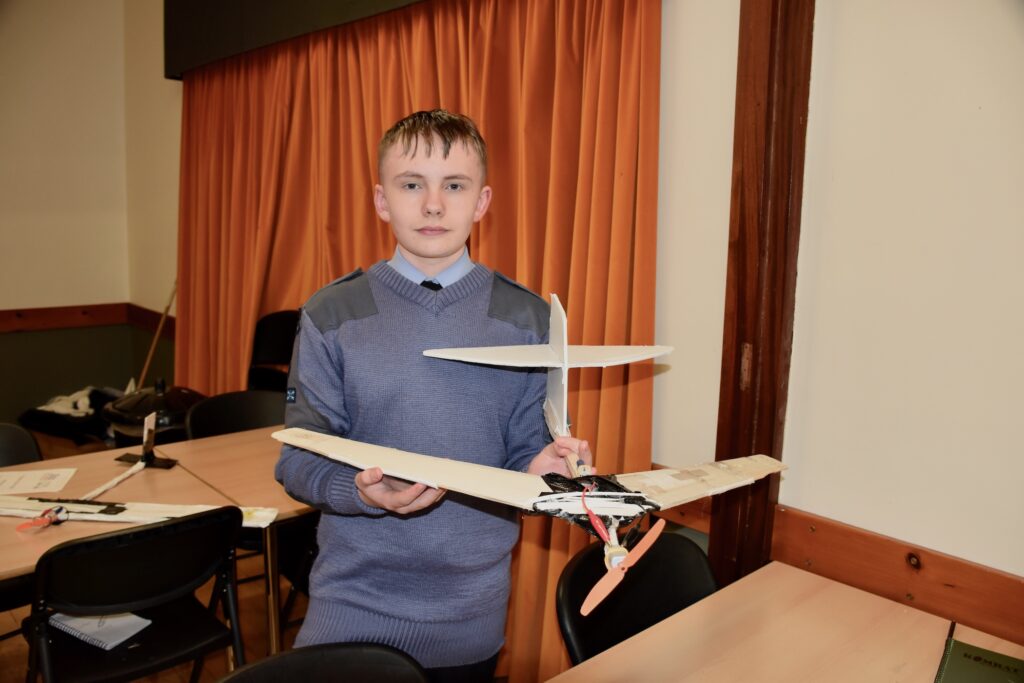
(669, 488)
(623, 497)
(517, 489)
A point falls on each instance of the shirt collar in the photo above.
(447, 277)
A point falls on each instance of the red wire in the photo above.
(595, 521)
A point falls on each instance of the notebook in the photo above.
(106, 631)
(964, 663)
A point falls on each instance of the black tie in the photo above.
(430, 284)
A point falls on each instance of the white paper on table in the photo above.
(35, 481)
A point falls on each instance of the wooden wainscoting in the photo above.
(63, 317)
(968, 593)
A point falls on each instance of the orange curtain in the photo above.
(278, 164)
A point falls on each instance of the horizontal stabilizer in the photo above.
(603, 356)
(544, 356)
(525, 356)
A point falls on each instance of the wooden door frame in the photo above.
(772, 89)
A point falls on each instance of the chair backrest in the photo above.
(139, 567)
(235, 411)
(17, 445)
(272, 342)
(672, 575)
(334, 662)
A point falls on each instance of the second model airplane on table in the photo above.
(600, 504)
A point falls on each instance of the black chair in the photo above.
(673, 574)
(272, 342)
(152, 571)
(17, 445)
(234, 411)
(238, 411)
(333, 662)
(297, 550)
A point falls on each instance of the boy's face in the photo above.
(431, 202)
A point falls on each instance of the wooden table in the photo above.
(19, 551)
(234, 469)
(785, 624)
(240, 466)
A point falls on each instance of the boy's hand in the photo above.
(395, 495)
(553, 457)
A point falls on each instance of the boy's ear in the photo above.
(380, 203)
(482, 202)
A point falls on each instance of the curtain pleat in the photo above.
(278, 164)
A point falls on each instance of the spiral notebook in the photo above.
(106, 631)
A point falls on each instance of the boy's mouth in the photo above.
(431, 230)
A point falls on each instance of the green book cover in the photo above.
(963, 663)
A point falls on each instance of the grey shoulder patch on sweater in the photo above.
(515, 304)
(347, 298)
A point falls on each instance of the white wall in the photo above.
(698, 101)
(905, 395)
(153, 134)
(89, 146)
(62, 153)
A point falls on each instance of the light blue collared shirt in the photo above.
(447, 277)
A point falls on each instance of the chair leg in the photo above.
(289, 604)
(197, 669)
(32, 635)
(40, 663)
(230, 605)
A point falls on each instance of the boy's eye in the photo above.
(454, 186)
(410, 186)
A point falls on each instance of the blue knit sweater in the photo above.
(434, 584)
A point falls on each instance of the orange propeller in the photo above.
(609, 581)
(54, 515)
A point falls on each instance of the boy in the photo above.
(404, 564)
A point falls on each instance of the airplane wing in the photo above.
(517, 489)
(139, 513)
(669, 488)
(665, 488)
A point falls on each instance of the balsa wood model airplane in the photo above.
(599, 504)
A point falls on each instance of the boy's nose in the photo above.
(432, 205)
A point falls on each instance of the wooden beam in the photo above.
(92, 315)
(968, 593)
(773, 85)
(61, 317)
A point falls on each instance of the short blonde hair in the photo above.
(428, 125)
